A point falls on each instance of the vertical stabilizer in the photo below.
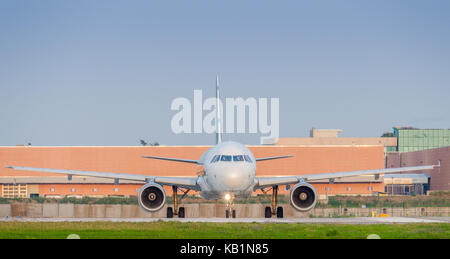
(218, 114)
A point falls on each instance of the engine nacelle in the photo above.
(303, 197)
(152, 197)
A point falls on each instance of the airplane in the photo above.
(229, 173)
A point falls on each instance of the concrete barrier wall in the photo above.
(18, 210)
(5, 210)
(33, 210)
(50, 210)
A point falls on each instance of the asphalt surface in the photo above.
(364, 221)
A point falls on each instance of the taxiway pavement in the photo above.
(365, 221)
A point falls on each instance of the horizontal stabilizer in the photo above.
(272, 158)
(174, 159)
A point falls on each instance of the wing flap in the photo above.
(272, 181)
(366, 172)
(131, 177)
(177, 181)
(185, 182)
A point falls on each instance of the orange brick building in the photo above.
(306, 160)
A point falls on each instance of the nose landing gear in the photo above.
(180, 212)
(274, 209)
(230, 212)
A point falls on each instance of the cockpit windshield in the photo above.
(248, 159)
(215, 159)
(238, 158)
(227, 158)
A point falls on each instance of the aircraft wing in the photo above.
(183, 182)
(264, 182)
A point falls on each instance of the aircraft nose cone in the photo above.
(234, 180)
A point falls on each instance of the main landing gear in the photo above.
(273, 210)
(175, 211)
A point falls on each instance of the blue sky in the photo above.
(105, 72)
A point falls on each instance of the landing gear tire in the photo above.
(280, 212)
(182, 213)
(268, 213)
(170, 213)
(230, 214)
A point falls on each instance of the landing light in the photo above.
(227, 197)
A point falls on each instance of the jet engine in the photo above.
(152, 197)
(303, 197)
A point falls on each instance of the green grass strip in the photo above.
(176, 230)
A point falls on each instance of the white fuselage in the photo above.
(230, 169)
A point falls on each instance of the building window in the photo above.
(15, 191)
(52, 189)
(349, 189)
(116, 190)
(137, 190)
(73, 190)
(95, 189)
(370, 188)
